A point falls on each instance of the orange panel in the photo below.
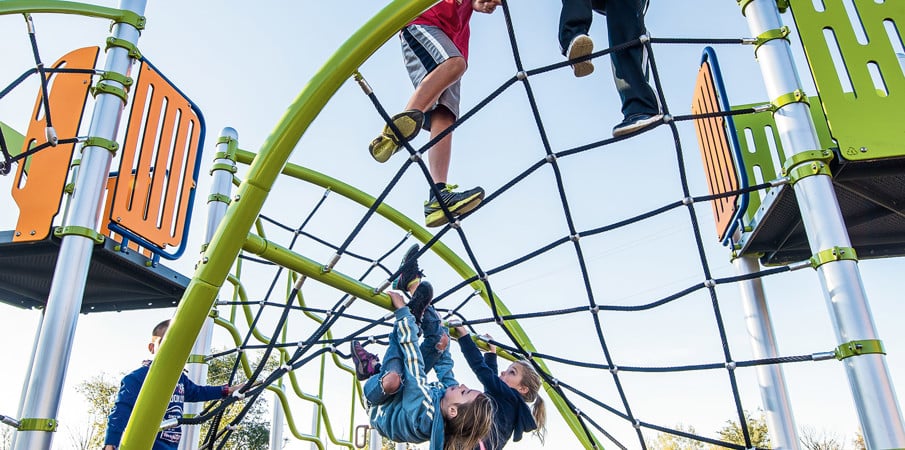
(160, 149)
(715, 151)
(40, 178)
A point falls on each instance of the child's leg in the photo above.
(439, 155)
(382, 386)
(434, 338)
(438, 80)
(574, 19)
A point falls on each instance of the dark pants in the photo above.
(624, 23)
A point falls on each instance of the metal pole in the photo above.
(376, 440)
(868, 373)
(773, 391)
(276, 424)
(64, 301)
(221, 188)
(31, 365)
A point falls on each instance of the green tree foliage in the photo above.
(100, 393)
(667, 441)
(757, 430)
(253, 432)
(858, 441)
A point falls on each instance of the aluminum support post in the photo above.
(773, 392)
(64, 301)
(221, 187)
(868, 373)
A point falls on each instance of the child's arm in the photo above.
(443, 368)
(122, 409)
(195, 393)
(485, 6)
(485, 374)
(490, 357)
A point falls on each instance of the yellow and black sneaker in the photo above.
(409, 124)
(458, 203)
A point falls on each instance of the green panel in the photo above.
(14, 139)
(758, 124)
(867, 123)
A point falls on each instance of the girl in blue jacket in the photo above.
(511, 392)
(404, 407)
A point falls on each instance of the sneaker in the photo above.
(409, 124)
(635, 122)
(408, 270)
(458, 203)
(421, 299)
(581, 45)
(366, 364)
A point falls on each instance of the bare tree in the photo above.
(81, 438)
(6, 437)
(811, 439)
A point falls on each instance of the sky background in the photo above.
(243, 63)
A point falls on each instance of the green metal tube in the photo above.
(61, 7)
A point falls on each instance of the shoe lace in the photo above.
(450, 187)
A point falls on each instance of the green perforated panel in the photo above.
(865, 106)
(757, 125)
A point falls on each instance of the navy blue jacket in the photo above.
(512, 416)
(186, 391)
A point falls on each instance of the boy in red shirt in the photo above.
(435, 49)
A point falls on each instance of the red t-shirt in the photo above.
(452, 17)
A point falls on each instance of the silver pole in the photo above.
(276, 424)
(45, 387)
(31, 365)
(868, 374)
(376, 440)
(221, 187)
(773, 392)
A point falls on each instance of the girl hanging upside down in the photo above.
(403, 406)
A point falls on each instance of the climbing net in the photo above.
(575, 345)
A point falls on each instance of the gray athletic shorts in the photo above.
(424, 47)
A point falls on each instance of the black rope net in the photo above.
(596, 344)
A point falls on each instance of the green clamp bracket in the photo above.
(223, 166)
(213, 314)
(95, 141)
(808, 170)
(103, 88)
(38, 425)
(122, 43)
(69, 188)
(72, 230)
(197, 359)
(769, 35)
(855, 348)
(833, 254)
(131, 18)
(231, 146)
(783, 5)
(119, 78)
(796, 96)
(823, 156)
(219, 198)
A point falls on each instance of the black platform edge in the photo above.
(117, 280)
(871, 196)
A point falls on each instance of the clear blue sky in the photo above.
(244, 62)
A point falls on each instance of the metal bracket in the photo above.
(804, 171)
(122, 43)
(219, 198)
(96, 141)
(824, 156)
(197, 359)
(103, 88)
(223, 166)
(38, 425)
(796, 96)
(856, 348)
(72, 230)
(783, 5)
(769, 35)
(131, 18)
(833, 254)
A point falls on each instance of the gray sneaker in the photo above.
(458, 203)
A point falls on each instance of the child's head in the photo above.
(157, 336)
(468, 415)
(522, 377)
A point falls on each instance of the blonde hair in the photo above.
(470, 426)
(532, 381)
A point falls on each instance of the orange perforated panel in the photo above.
(40, 178)
(715, 151)
(160, 148)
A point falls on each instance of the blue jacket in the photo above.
(512, 417)
(186, 391)
(414, 414)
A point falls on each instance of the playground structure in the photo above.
(810, 173)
